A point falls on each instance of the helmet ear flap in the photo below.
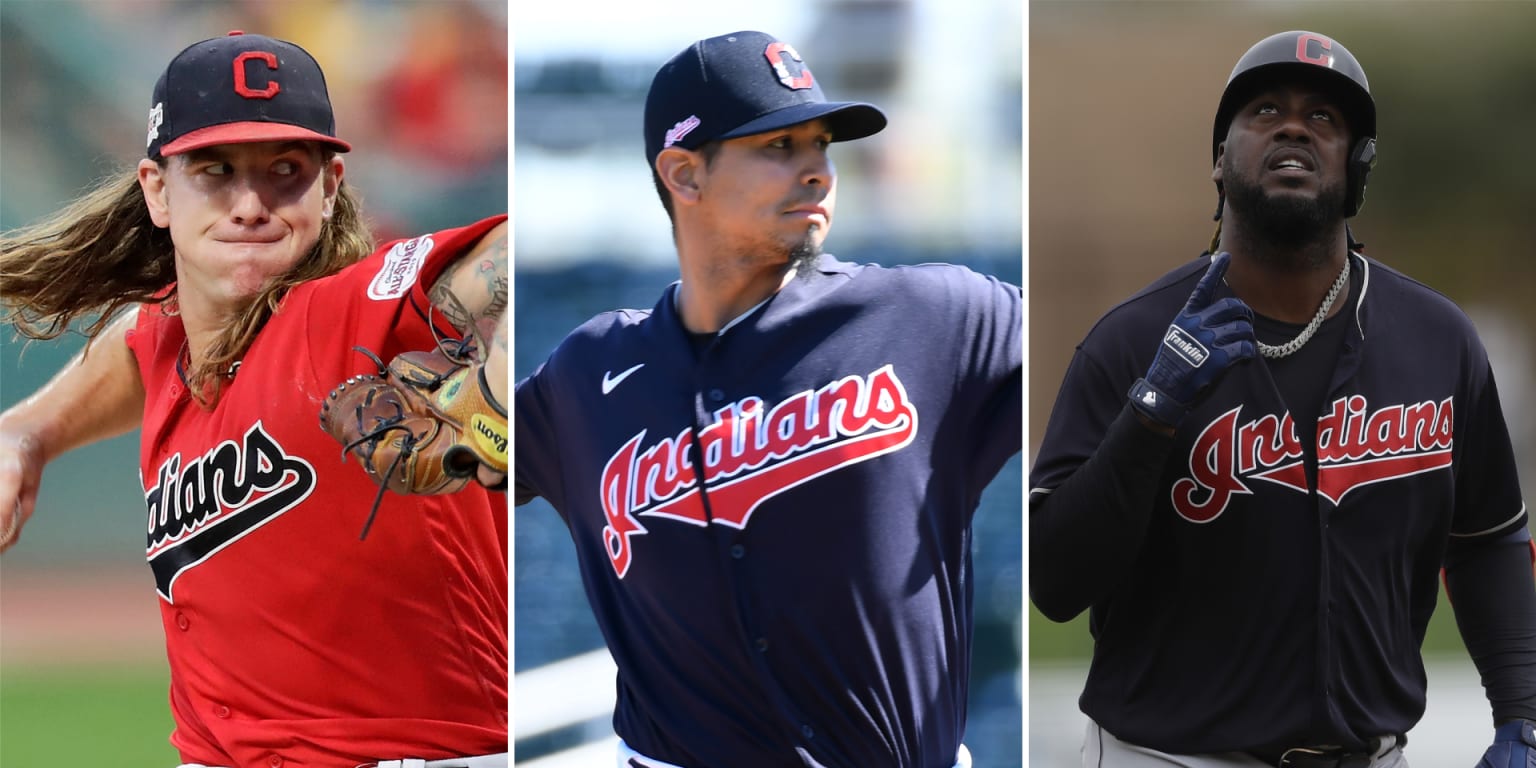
(1362, 159)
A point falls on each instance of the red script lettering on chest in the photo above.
(1355, 447)
(750, 453)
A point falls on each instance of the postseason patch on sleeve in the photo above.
(400, 267)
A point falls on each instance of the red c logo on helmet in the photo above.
(1323, 59)
(241, 88)
(775, 54)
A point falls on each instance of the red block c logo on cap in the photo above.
(245, 90)
(1323, 59)
(777, 60)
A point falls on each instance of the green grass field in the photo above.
(95, 715)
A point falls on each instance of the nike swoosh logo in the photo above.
(610, 381)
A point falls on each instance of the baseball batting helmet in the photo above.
(1300, 55)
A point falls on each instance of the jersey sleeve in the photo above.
(381, 303)
(156, 341)
(1089, 399)
(1118, 349)
(1488, 499)
(146, 340)
(1090, 492)
(994, 328)
(536, 471)
(1097, 470)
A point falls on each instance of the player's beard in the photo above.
(804, 255)
(1289, 223)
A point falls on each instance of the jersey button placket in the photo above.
(221, 712)
(182, 622)
(276, 761)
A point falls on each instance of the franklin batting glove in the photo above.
(1514, 746)
(1205, 339)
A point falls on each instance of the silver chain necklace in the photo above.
(1275, 353)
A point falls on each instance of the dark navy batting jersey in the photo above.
(1282, 589)
(774, 534)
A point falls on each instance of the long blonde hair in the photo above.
(102, 253)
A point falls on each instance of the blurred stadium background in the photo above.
(1121, 100)
(419, 89)
(942, 183)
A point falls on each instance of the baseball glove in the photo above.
(422, 425)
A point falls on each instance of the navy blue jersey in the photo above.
(774, 534)
(1262, 606)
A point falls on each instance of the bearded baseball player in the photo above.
(770, 475)
(285, 371)
(1255, 501)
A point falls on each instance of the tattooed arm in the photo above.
(472, 294)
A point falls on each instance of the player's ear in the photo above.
(678, 169)
(1221, 151)
(335, 169)
(152, 184)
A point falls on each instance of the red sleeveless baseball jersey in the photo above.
(292, 642)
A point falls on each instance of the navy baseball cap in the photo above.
(740, 84)
(240, 89)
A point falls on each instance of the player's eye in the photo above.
(285, 168)
(217, 169)
(1267, 109)
(1323, 113)
(781, 142)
